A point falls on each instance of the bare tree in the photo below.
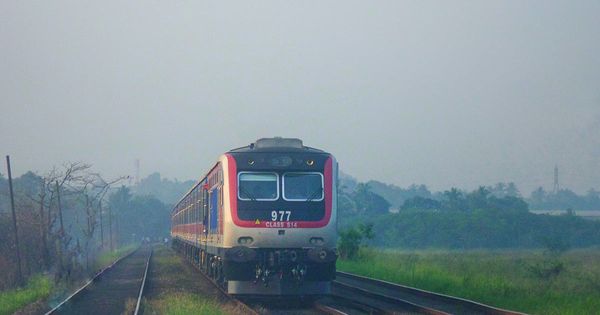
(91, 189)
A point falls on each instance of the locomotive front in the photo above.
(281, 199)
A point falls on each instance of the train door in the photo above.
(205, 210)
(214, 210)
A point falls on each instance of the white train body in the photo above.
(263, 219)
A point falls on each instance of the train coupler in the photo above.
(262, 274)
(298, 273)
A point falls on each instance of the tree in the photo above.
(420, 203)
(351, 238)
(368, 202)
(455, 200)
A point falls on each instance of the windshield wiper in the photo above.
(314, 194)
(249, 195)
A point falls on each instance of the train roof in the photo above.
(276, 144)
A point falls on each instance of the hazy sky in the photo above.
(445, 93)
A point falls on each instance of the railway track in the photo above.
(393, 298)
(241, 306)
(353, 294)
(117, 289)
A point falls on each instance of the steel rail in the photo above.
(391, 300)
(328, 309)
(487, 309)
(92, 280)
(139, 299)
(351, 303)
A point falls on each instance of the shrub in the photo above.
(351, 239)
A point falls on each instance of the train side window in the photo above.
(258, 186)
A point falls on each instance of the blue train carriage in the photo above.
(263, 220)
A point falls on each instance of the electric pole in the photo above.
(14, 219)
(101, 227)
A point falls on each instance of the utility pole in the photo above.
(62, 229)
(61, 232)
(14, 219)
(110, 234)
(101, 227)
(117, 229)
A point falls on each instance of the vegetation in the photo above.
(488, 217)
(70, 219)
(182, 304)
(564, 199)
(165, 190)
(351, 238)
(61, 221)
(182, 291)
(536, 282)
(106, 258)
(362, 202)
(482, 229)
(38, 288)
(140, 216)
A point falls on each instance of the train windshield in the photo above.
(303, 186)
(258, 186)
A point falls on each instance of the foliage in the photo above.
(397, 195)
(546, 269)
(139, 216)
(163, 189)
(420, 203)
(499, 278)
(564, 199)
(177, 278)
(494, 228)
(488, 217)
(351, 238)
(53, 236)
(366, 201)
(182, 304)
(37, 288)
(108, 257)
(361, 203)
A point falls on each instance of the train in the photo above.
(263, 220)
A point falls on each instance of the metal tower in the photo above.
(556, 187)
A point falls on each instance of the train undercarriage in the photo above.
(266, 271)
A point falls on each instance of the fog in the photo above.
(448, 93)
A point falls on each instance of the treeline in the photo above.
(564, 199)
(164, 189)
(66, 217)
(483, 228)
(539, 199)
(488, 217)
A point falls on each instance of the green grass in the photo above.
(182, 304)
(108, 257)
(504, 279)
(179, 293)
(37, 288)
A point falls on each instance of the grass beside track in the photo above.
(108, 257)
(513, 280)
(177, 289)
(37, 288)
(183, 303)
(40, 287)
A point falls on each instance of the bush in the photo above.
(37, 288)
(351, 239)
